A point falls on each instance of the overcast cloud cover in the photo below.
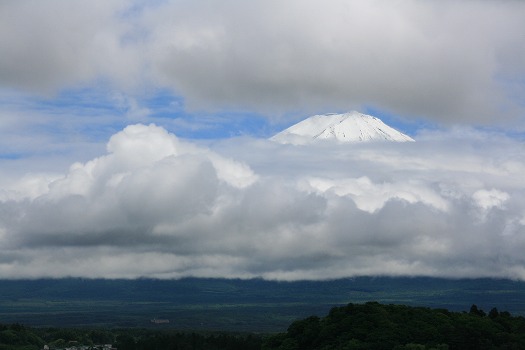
(96, 182)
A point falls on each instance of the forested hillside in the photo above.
(376, 326)
(19, 337)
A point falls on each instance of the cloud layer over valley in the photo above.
(134, 138)
(158, 206)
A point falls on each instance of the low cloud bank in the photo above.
(158, 206)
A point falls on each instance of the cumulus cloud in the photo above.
(152, 204)
(444, 60)
(158, 206)
(371, 197)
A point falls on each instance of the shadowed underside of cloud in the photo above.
(158, 206)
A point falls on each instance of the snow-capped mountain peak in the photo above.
(346, 127)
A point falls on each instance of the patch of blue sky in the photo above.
(226, 125)
(168, 110)
(398, 122)
(85, 111)
(11, 156)
(94, 113)
(101, 112)
(212, 125)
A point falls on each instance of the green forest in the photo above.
(355, 326)
(376, 326)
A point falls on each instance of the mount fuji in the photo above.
(346, 127)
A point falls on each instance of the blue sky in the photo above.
(93, 114)
(133, 139)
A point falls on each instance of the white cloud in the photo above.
(488, 199)
(157, 206)
(141, 153)
(371, 197)
(452, 204)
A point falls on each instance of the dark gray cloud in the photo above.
(450, 61)
(444, 60)
(58, 44)
(154, 205)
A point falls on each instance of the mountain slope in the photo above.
(347, 127)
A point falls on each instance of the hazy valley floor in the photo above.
(233, 305)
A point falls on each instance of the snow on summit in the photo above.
(346, 127)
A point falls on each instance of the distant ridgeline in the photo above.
(376, 326)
